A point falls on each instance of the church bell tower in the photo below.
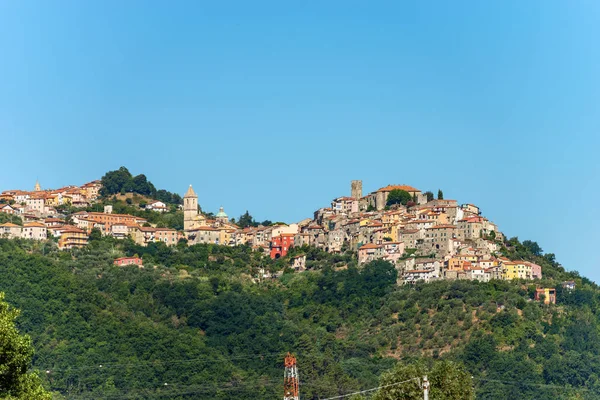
(190, 209)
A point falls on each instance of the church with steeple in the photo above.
(192, 219)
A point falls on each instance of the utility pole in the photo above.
(425, 388)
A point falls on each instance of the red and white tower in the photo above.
(290, 379)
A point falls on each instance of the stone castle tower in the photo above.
(356, 189)
(190, 209)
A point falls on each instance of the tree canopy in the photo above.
(15, 360)
(214, 323)
(122, 181)
(448, 381)
(398, 196)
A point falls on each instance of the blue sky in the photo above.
(274, 107)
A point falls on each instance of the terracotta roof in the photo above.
(406, 188)
(10, 225)
(73, 230)
(344, 199)
(442, 227)
(370, 246)
(34, 225)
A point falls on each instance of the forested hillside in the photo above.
(194, 324)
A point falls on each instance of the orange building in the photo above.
(109, 219)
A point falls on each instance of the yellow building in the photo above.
(516, 270)
(549, 295)
(225, 235)
(72, 237)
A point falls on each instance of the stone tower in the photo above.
(356, 189)
(37, 188)
(190, 209)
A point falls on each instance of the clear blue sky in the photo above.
(274, 107)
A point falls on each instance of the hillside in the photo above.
(192, 324)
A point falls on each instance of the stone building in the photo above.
(356, 190)
(192, 219)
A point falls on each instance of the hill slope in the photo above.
(194, 320)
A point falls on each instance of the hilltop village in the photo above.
(425, 238)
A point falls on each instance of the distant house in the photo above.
(10, 230)
(35, 231)
(128, 261)
(547, 294)
(536, 270)
(281, 244)
(7, 209)
(569, 285)
(344, 205)
(157, 206)
(72, 237)
(425, 275)
(369, 252)
(299, 263)
(119, 230)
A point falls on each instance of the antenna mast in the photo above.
(290, 378)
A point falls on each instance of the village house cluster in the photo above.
(429, 240)
(41, 220)
(426, 239)
(38, 211)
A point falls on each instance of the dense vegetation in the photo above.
(16, 354)
(193, 323)
(10, 218)
(121, 181)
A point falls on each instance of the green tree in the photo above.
(17, 353)
(429, 195)
(533, 247)
(246, 220)
(141, 185)
(95, 234)
(115, 181)
(448, 381)
(398, 196)
(440, 194)
(15, 219)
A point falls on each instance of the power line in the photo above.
(548, 385)
(157, 362)
(373, 389)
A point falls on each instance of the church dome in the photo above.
(221, 213)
